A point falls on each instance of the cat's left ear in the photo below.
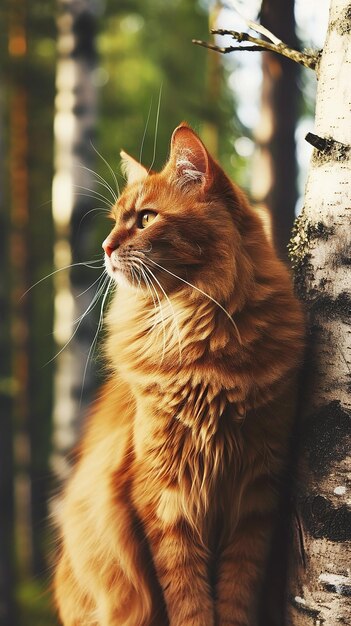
(132, 170)
(189, 161)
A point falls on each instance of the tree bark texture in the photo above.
(320, 583)
(275, 169)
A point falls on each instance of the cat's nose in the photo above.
(109, 246)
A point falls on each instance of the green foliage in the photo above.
(145, 48)
(35, 607)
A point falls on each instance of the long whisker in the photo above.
(94, 194)
(90, 286)
(144, 134)
(100, 288)
(156, 128)
(151, 289)
(80, 319)
(99, 326)
(92, 197)
(108, 188)
(203, 293)
(100, 178)
(163, 324)
(109, 167)
(61, 269)
(108, 211)
(175, 321)
(161, 312)
(148, 281)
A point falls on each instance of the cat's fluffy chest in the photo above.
(148, 337)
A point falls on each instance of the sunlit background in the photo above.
(79, 80)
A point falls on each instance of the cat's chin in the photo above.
(120, 279)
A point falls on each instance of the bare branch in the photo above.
(253, 25)
(303, 58)
(211, 46)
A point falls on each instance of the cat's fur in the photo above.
(168, 516)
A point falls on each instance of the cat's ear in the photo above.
(132, 170)
(189, 160)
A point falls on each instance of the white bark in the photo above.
(74, 124)
(321, 583)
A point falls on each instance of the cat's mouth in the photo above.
(120, 268)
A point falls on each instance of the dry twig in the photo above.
(303, 58)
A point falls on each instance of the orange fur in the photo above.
(168, 516)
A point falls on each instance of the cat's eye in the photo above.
(145, 218)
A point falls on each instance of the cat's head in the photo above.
(178, 226)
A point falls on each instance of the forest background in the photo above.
(79, 80)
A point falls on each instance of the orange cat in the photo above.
(168, 516)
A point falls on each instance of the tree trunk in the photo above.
(6, 410)
(275, 170)
(20, 279)
(320, 583)
(75, 121)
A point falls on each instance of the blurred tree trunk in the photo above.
(40, 80)
(29, 248)
(274, 187)
(20, 279)
(214, 84)
(320, 581)
(7, 616)
(75, 122)
(275, 169)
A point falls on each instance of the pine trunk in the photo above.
(320, 583)
(275, 168)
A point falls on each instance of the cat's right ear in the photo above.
(132, 170)
(189, 161)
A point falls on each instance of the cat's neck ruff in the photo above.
(149, 335)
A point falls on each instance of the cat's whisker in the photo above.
(148, 283)
(109, 167)
(203, 293)
(151, 289)
(163, 323)
(174, 317)
(101, 180)
(61, 269)
(96, 195)
(79, 320)
(144, 133)
(90, 286)
(89, 195)
(94, 210)
(108, 188)
(100, 288)
(99, 326)
(156, 128)
(155, 140)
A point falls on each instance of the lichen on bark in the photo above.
(320, 581)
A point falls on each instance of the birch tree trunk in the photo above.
(75, 120)
(320, 583)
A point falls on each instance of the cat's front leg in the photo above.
(240, 569)
(181, 563)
